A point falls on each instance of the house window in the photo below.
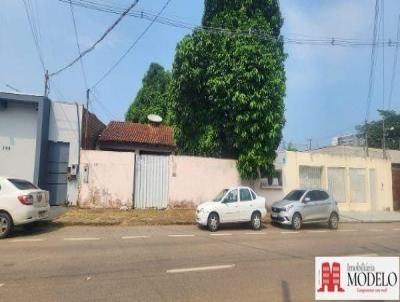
(274, 181)
(310, 176)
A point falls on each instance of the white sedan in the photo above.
(21, 203)
(237, 204)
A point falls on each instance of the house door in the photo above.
(151, 181)
(396, 187)
(57, 168)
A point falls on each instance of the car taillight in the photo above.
(26, 199)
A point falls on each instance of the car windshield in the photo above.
(294, 195)
(220, 195)
(21, 184)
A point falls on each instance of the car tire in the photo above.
(6, 225)
(256, 221)
(296, 221)
(213, 222)
(333, 221)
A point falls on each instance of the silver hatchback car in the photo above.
(306, 206)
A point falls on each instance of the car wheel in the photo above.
(296, 221)
(334, 221)
(213, 222)
(6, 225)
(256, 221)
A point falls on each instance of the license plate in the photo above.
(42, 214)
(274, 215)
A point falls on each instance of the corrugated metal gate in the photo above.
(396, 187)
(310, 177)
(151, 181)
(57, 168)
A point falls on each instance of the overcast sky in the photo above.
(326, 85)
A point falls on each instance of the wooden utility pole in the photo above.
(87, 118)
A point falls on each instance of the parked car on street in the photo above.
(306, 206)
(21, 202)
(237, 204)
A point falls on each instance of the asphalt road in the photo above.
(178, 263)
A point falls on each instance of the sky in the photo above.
(327, 86)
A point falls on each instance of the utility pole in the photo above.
(366, 137)
(383, 137)
(383, 83)
(46, 84)
(87, 118)
(309, 144)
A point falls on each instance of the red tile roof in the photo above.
(127, 132)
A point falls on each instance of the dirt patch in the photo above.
(76, 216)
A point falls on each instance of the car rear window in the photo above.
(21, 184)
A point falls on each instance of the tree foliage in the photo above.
(227, 88)
(152, 96)
(375, 130)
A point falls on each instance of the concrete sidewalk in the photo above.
(370, 216)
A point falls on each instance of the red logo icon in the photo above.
(330, 277)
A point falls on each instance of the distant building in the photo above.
(140, 138)
(40, 141)
(348, 140)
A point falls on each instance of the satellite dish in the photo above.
(154, 118)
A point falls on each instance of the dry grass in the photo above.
(76, 216)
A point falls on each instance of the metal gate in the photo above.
(151, 181)
(310, 177)
(57, 168)
(396, 187)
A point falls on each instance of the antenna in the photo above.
(154, 118)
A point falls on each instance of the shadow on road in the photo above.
(285, 291)
(311, 226)
(36, 228)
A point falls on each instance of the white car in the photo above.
(237, 204)
(21, 203)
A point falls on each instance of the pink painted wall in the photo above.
(110, 179)
(193, 180)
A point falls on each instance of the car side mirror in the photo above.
(307, 199)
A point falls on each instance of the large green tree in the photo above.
(152, 96)
(375, 130)
(228, 85)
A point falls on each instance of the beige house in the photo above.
(357, 183)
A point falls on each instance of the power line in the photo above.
(372, 61)
(396, 52)
(328, 41)
(77, 45)
(97, 42)
(34, 32)
(132, 45)
(103, 107)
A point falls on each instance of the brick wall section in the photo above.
(95, 128)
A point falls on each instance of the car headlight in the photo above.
(289, 207)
